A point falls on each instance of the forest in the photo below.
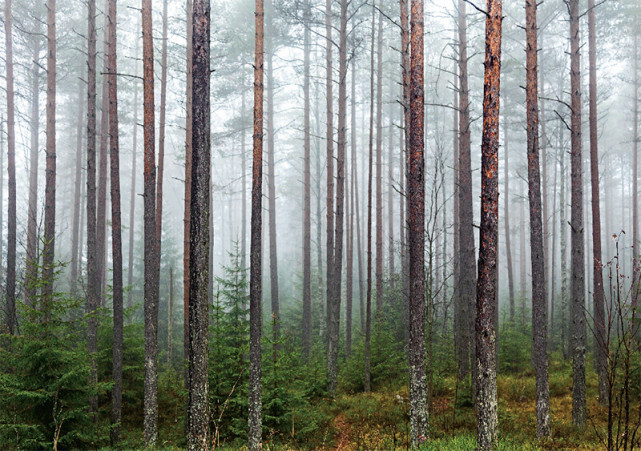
(320, 224)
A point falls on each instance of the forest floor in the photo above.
(378, 420)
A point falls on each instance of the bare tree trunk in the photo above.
(132, 195)
(506, 210)
(31, 275)
(271, 187)
(101, 218)
(390, 196)
(356, 206)
(255, 282)
(77, 205)
(368, 298)
(333, 313)
(319, 225)
(539, 289)
(170, 319)
(467, 265)
(576, 225)
(161, 132)
(307, 207)
(243, 216)
(187, 217)
(116, 227)
(598, 295)
(379, 169)
(522, 259)
(636, 262)
(198, 415)
(330, 171)
(416, 232)
(150, 419)
(93, 279)
(50, 171)
(486, 297)
(405, 62)
(11, 166)
(563, 231)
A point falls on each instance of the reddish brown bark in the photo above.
(255, 281)
(405, 62)
(598, 294)
(539, 290)
(486, 294)
(416, 232)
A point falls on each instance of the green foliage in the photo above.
(515, 348)
(44, 371)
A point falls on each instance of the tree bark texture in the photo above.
(467, 265)
(416, 231)
(379, 168)
(255, 282)
(486, 295)
(11, 167)
(198, 416)
(537, 254)
(150, 411)
(116, 228)
(187, 216)
(576, 225)
(600, 352)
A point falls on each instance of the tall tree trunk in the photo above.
(564, 252)
(576, 225)
(486, 296)
(31, 275)
(356, 206)
(598, 294)
(11, 166)
(132, 195)
(416, 232)
(101, 218)
(539, 289)
(255, 282)
(390, 195)
(506, 210)
(307, 207)
(353, 213)
(187, 217)
(93, 280)
(271, 186)
(77, 205)
(170, 319)
(150, 419)
(333, 313)
(467, 265)
(50, 171)
(330, 172)
(161, 132)
(116, 227)
(379, 169)
(198, 415)
(243, 181)
(522, 263)
(636, 262)
(319, 225)
(368, 299)
(405, 62)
